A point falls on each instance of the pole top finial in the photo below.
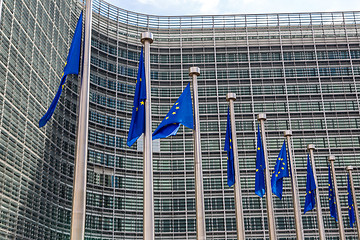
(146, 36)
(194, 70)
(287, 133)
(311, 147)
(261, 116)
(331, 158)
(349, 168)
(230, 96)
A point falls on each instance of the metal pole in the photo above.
(295, 194)
(349, 169)
(148, 217)
(199, 191)
(269, 203)
(311, 148)
(338, 207)
(79, 189)
(1, 4)
(231, 97)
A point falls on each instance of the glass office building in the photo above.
(302, 70)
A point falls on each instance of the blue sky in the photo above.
(204, 7)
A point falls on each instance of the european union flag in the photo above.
(71, 67)
(350, 205)
(260, 166)
(137, 124)
(230, 154)
(180, 113)
(332, 202)
(280, 171)
(310, 188)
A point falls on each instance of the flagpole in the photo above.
(1, 4)
(311, 148)
(79, 188)
(231, 97)
(295, 194)
(349, 169)
(199, 191)
(338, 205)
(269, 203)
(148, 217)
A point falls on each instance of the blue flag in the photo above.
(332, 202)
(71, 67)
(310, 188)
(350, 205)
(230, 154)
(180, 113)
(280, 171)
(260, 166)
(137, 124)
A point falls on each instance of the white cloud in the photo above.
(209, 6)
(195, 7)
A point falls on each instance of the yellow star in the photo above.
(173, 113)
(177, 107)
(62, 86)
(140, 79)
(137, 109)
(176, 103)
(282, 168)
(283, 163)
(276, 175)
(142, 102)
(167, 118)
(230, 139)
(258, 148)
(257, 170)
(309, 191)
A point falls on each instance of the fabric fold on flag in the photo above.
(332, 202)
(180, 113)
(71, 67)
(310, 188)
(230, 153)
(260, 167)
(137, 124)
(280, 171)
(350, 205)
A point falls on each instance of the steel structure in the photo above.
(302, 70)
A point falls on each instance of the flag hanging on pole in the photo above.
(280, 171)
(310, 188)
(230, 154)
(180, 113)
(332, 202)
(350, 205)
(71, 67)
(260, 166)
(137, 125)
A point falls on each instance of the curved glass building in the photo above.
(302, 70)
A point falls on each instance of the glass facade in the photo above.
(302, 70)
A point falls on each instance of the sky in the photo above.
(213, 7)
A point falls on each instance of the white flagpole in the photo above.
(321, 228)
(148, 217)
(199, 191)
(231, 97)
(338, 206)
(269, 202)
(295, 194)
(79, 189)
(349, 169)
